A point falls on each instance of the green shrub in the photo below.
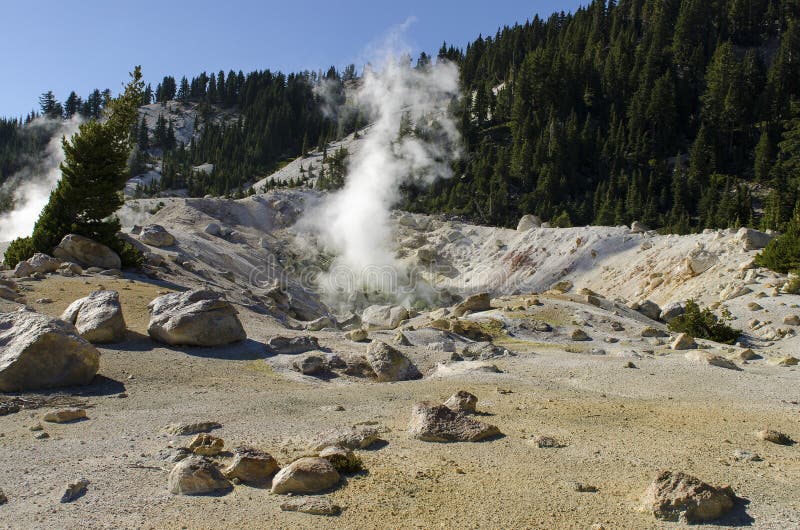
(782, 254)
(19, 250)
(703, 324)
(793, 287)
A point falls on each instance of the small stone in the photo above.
(306, 475)
(309, 365)
(292, 346)
(36, 428)
(584, 488)
(652, 332)
(744, 355)
(206, 445)
(746, 456)
(311, 505)
(788, 361)
(75, 490)
(547, 442)
(754, 306)
(579, 335)
(630, 364)
(355, 438)
(791, 320)
(65, 415)
(41, 435)
(768, 435)
(356, 335)
(462, 401)
(3, 498)
(683, 341)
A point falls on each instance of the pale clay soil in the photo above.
(620, 425)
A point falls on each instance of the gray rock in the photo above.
(306, 475)
(672, 311)
(44, 264)
(97, 317)
(528, 222)
(310, 365)
(196, 476)
(87, 253)
(23, 269)
(189, 428)
(75, 490)
(194, 318)
(38, 351)
(705, 357)
(753, 239)
(638, 228)
(679, 497)
(473, 304)
(389, 364)
(319, 324)
(292, 345)
(156, 236)
(462, 401)
(438, 423)
(383, 317)
(361, 437)
(649, 309)
(212, 229)
(746, 456)
(311, 505)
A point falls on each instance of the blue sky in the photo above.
(63, 46)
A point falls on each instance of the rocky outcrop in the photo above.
(194, 318)
(389, 364)
(38, 351)
(306, 475)
(753, 239)
(528, 222)
(679, 497)
(196, 476)
(377, 317)
(97, 317)
(473, 304)
(87, 252)
(438, 423)
(156, 236)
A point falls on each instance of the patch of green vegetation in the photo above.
(704, 324)
(261, 366)
(492, 327)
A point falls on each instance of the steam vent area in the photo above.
(512, 378)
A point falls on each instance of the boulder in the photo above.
(23, 270)
(87, 252)
(97, 317)
(473, 304)
(649, 309)
(310, 365)
(711, 359)
(753, 239)
(389, 364)
(306, 475)
(672, 311)
(699, 261)
(38, 351)
(679, 497)
(579, 335)
(319, 324)
(377, 317)
(733, 290)
(68, 268)
(212, 229)
(311, 505)
(683, 341)
(251, 465)
(652, 332)
(791, 320)
(438, 423)
(196, 476)
(638, 228)
(292, 345)
(528, 222)
(44, 264)
(194, 318)
(189, 428)
(156, 236)
(462, 401)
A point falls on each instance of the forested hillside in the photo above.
(675, 113)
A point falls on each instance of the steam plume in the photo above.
(354, 223)
(30, 187)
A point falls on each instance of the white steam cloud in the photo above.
(31, 186)
(353, 224)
